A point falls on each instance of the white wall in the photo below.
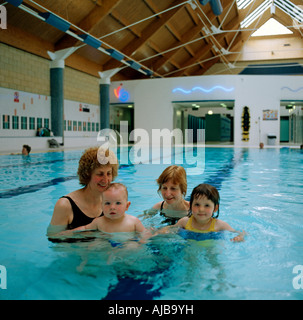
(153, 100)
(39, 106)
(153, 105)
(258, 94)
(13, 102)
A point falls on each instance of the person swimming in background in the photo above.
(114, 204)
(26, 149)
(204, 208)
(173, 187)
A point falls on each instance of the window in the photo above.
(32, 123)
(242, 4)
(93, 126)
(270, 28)
(69, 125)
(287, 6)
(256, 14)
(46, 123)
(23, 123)
(84, 126)
(294, 11)
(97, 126)
(39, 123)
(74, 125)
(15, 122)
(79, 125)
(88, 126)
(5, 121)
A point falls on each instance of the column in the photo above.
(105, 96)
(57, 97)
(57, 89)
(104, 105)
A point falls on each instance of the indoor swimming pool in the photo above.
(261, 192)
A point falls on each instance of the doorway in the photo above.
(215, 117)
(122, 119)
(291, 121)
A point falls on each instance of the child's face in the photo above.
(171, 192)
(114, 203)
(203, 209)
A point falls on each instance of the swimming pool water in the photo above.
(261, 192)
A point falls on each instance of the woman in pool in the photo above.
(97, 169)
(204, 206)
(173, 186)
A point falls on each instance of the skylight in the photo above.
(242, 4)
(256, 14)
(294, 11)
(271, 28)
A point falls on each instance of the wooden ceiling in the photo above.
(172, 43)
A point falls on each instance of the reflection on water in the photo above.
(165, 266)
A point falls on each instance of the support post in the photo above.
(105, 97)
(104, 105)
(57, 89)
(57, 100)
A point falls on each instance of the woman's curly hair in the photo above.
(93, 158)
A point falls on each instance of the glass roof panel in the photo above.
(242, 4)
(256, 14)
(294, 11)
(270, 28)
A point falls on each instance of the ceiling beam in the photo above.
(125, 22)
(192, 61)
(147, 33)
(89, 23)
(188, 36)
(191, 34)
(23, 40)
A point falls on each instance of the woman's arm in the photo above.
(91, 226)
(148, 213)
(62, 217)
(170, 229)
(63, 213)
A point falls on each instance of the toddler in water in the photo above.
(204, 203)
(115, 203)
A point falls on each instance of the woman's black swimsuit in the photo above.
(80, 219)
(168, 220)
